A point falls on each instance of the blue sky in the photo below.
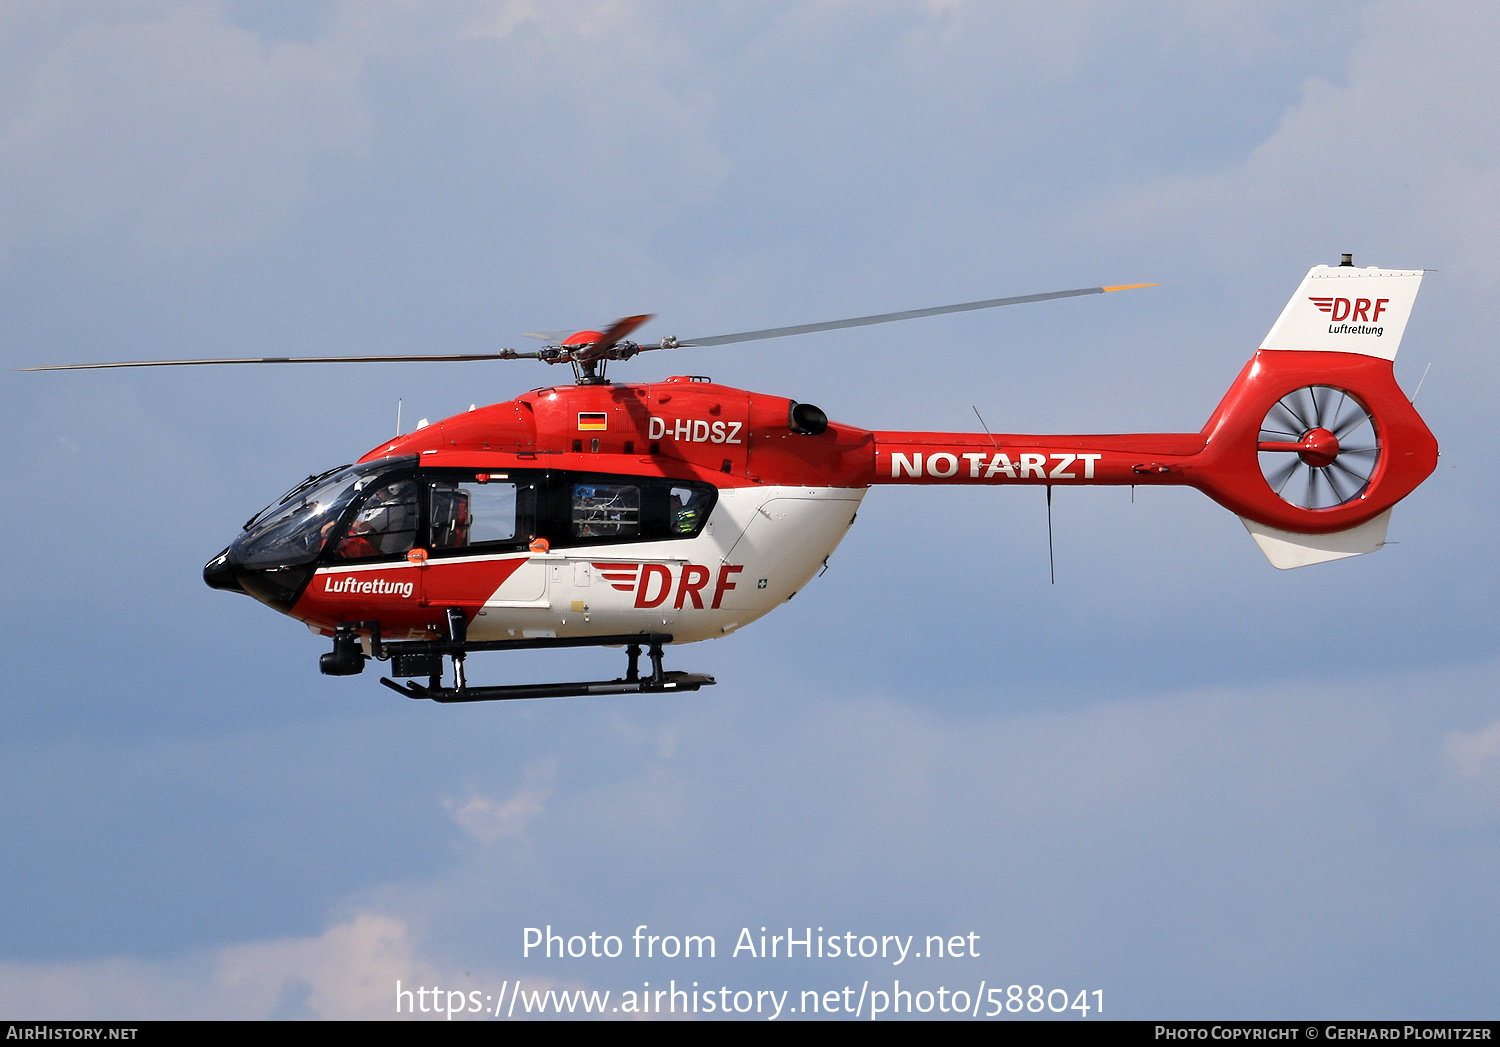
(1200, 785)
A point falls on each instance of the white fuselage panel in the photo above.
(760, 546)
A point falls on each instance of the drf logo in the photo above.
(652, 583)
(1344, 309)
(696, 430)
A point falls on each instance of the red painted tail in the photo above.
(1315, 442)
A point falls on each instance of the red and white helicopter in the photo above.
(682, 510)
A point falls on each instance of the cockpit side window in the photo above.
(385, 525)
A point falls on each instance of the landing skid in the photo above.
(669, 683)
(425, 657)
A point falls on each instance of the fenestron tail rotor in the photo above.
(588, 351)
(1318, 447)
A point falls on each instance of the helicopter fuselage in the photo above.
(681, 507)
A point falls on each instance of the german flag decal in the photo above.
(594, 421)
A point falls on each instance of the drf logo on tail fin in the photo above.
(1357, 309)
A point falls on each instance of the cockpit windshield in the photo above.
(294, 531)
(312, 481)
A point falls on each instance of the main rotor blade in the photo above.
(619, 330)
(910, 314)
(506, 354)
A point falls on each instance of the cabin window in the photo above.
(482, 512)
(465, 514)
(606, 510)
(689, 509)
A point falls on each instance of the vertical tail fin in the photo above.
(1341, 309)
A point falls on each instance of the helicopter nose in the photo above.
(219, 573)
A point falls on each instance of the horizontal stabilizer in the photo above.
(1287, 549)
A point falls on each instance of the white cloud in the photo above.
(348, 972)
(1471, 770)
(488, 821)
(170, 129)
(1474, 756)
(1399, 162)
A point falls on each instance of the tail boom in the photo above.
(1009, 458)
(1222, 460)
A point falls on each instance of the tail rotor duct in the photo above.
(1318, 447)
